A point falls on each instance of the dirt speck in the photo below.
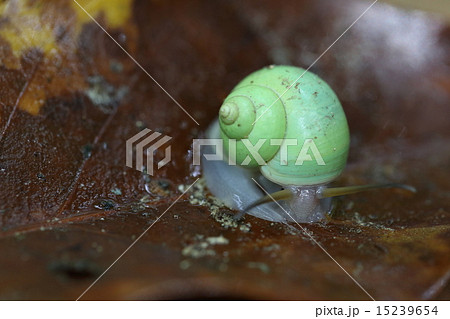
(221, 214)
(259, 265)
(219, 240)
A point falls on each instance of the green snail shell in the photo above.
(308, 110)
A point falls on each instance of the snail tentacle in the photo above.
(346, 190)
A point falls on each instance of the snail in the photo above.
(286, 130)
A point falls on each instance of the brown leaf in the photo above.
(70, 97)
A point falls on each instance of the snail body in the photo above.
(286, 130)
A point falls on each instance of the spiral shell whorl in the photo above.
(249, 102)
(229, 112)
(236, 117)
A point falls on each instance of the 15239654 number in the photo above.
(406, 310)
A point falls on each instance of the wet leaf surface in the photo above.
(70, 98)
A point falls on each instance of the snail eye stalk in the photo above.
(346, 190)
